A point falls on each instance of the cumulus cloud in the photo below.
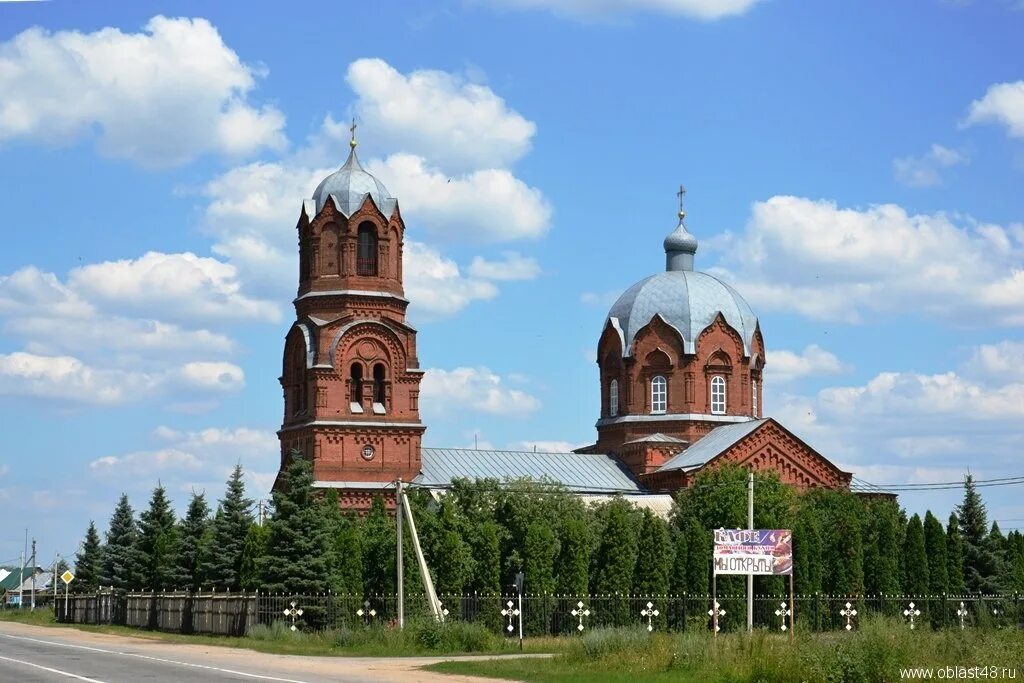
(473, 389)
(1002, 103)
(513, 266)
(436, 114)
(487, 205)
(926, 170)
(785, 366)
(160, 97)
(69, 380)
(436, 287)
(707, 10)
(833, 263)
(1003, 361)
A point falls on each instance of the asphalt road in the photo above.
(34, 654)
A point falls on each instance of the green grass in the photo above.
(417, 639)
(876, 652)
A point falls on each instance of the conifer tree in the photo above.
(954, 557)
(980, 563)
(122, 564)
(451, 564)
(615, 561)
(997, 546)
(677, 579)
(653, 557)
(378, 533)
(807, 564)
(935, 547)
(193, 536)
(88, 562)
(230, 527)
(539, 552)
(485, 545)
(699, 544)
(915, 580)
(347, 578)
(1017, 562)
(253, 551)
(158, 543)
(882, 552)
(573, 566)
(296, 559)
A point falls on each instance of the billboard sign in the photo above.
(753, 551)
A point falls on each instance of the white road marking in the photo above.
(53, 671)
(154, 659)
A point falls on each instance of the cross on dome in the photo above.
(680, 245)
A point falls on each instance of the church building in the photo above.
(681, 359)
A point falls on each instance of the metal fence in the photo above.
(235, 613)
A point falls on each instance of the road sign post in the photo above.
(67, 577)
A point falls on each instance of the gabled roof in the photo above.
(710, 446)
(16, 577)
(578, 472)
(657, 438)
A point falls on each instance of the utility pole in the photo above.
(260, 515)
(21, 583)
(33, 570)
(750, 526)
(399, 493)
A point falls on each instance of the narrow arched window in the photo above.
(613, 398)
(718, 395)
(659, 395)
(356, 384)
(378, 387)
(753, 397)
(366, 250)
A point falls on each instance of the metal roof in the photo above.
(656, 438)
(658, 503)
(712, 444)
(349, 186)
(579, 472)
(687, 300)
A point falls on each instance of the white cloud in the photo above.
(707, 10)
(998, 362)
(1002, 103)
(831, 263)
(435, 286)
(473, 389)
(181, 286)
(146, 463)
(513, 266)
(435, 114)
(67, 379)
(784, 366)
(160, 97)
(488, 205)
(926, 170)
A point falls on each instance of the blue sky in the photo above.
(855, 170)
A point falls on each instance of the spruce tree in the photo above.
(935, 547)
(193, 536)
(996, 544)
(915, 580)
(89, 561)
(980, 563)
(573, 566)
(296, 559)
(253, 551)
(378, 533)
(230, 526)
(122, 564)
(158, 543)
(954, 557)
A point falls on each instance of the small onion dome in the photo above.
(349, 185)
(680, 246)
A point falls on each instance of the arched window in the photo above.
(366, 250)
(378, 388)
(718, 395)
(613, 398)
(659, 395)
(753, 386)
(356, 383)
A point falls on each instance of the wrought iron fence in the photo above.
(546, 614)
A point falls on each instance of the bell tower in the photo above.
(350, 376)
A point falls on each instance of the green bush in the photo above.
(452, 636)
(609, 642)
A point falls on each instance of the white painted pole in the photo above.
(21, 582)
(399, 494)
(428, 583)
(33, 570)
(750, 577)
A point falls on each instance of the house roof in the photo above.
(579, 472)
(16, 577)
(710, 446)
(657, 438)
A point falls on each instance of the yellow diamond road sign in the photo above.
(67, 576)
